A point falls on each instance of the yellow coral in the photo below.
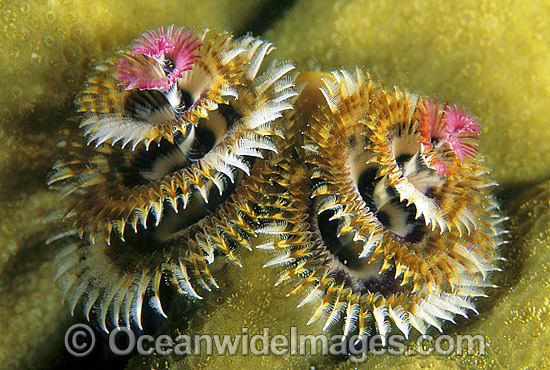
(491, 56)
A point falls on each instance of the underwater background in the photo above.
(493, 57)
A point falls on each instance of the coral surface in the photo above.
(488, 56)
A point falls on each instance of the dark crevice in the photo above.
(402, 159)
(186, 102)
(329, 230)
(204, 142)
(384, 283)
(268, 13)
(366, 184)
(348, 255)
(144, 160)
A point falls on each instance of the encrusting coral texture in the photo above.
(408, 166)
(382, 211)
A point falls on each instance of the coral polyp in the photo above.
(372, 231)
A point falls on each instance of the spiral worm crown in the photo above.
(373, 233)
(210, 124)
